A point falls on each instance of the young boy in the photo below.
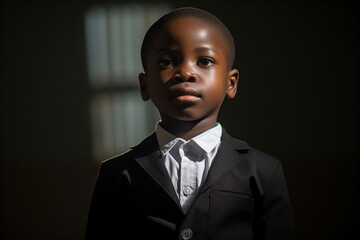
(190, 179)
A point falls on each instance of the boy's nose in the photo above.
(185, 73)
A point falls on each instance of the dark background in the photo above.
(298, 100)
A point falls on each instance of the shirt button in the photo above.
(187, 190)
(186, 234)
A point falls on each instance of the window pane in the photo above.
(114, 34)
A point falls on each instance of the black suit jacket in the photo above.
(244, 197)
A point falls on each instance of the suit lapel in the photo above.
(149, 157)
(226, 159)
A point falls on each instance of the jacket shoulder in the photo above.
(125, 159)
(253, 154)
(263, 160)
(261, 165)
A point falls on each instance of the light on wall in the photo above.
(114, 34)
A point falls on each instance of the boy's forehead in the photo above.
(190, 22)
(168, 29)
(178, 27)
(193, 19)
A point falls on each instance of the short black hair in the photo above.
(187, 12)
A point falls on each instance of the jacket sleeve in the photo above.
(274, 217)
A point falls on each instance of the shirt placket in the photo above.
(188, 175)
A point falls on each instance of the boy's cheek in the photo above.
(165, 76)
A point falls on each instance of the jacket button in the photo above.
(186, 234)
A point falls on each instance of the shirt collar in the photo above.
(207, 140)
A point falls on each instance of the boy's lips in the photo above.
(185, 94)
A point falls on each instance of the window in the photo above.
(119, 117)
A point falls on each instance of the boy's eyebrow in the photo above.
(165, 50)
(200, 49)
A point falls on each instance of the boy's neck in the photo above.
(187, 129)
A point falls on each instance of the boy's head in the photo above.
(228, 40)
(187, 57)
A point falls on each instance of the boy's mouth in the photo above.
(185, 95)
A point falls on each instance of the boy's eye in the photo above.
(166, 62)
(205, 62)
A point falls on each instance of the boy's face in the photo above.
(188, 73)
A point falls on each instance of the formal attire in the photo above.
(238, 192)
(188, 162)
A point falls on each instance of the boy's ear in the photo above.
(232, 83)
(142, 83)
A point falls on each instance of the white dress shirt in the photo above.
(188, 162)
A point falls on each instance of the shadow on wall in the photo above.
(298, 100)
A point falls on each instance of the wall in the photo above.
(298, 100)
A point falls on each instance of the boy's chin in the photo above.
(189, 118)
(190, 115)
